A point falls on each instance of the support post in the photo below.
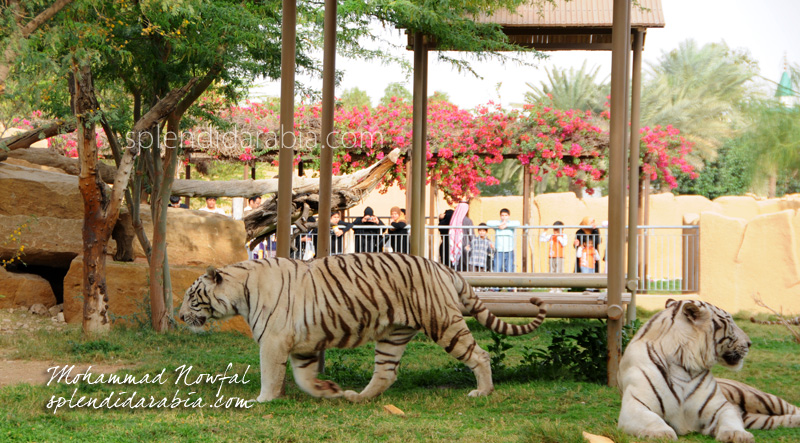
(526, 216)
(633, 175)
(418, 142)
(326, 157)
(188, 177)
(286, 155)
(616, 201)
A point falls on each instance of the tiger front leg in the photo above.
(729, 426)
(305, 370)
(638, 419)
(273, 356)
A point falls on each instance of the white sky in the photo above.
(768, 29)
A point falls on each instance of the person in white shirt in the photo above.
(211, 206)
(505, 241)
(252, 203)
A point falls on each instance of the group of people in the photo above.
(470, 249)
(392, 237)
(586, 244)
(464, 246)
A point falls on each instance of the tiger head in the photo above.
(712, 332)
(204, 300)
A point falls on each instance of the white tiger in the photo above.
(296, 309)
(667, 386)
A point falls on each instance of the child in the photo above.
(587, 256)
(481, 249)
(557, 241)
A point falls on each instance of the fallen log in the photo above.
(231, 188)
(347, 191)
(48, 157)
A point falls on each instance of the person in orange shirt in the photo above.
(557, 240)
(587, 256)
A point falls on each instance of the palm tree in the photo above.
(571, 89)
(698, 90)
(773, 135)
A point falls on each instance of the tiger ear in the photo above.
(693, 312)
(214, 275)
(670, 302)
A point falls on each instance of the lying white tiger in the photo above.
(296, 309)
(668, 389)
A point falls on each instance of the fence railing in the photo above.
(668, 255)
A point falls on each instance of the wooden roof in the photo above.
(583, 25)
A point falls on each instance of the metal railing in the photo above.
(668, 255)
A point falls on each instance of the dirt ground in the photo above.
(19, 321)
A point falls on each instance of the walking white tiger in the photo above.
(296, 309)
(667, 386)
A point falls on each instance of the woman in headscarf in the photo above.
(444, 234)
(458, 239)
(398, 235)
(588, 231)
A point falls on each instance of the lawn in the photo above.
(531, 403)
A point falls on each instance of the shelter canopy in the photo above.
(576, 25)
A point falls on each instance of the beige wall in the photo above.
(748, 245)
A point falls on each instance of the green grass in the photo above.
(431, 389)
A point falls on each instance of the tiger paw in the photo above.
(353, 396)
(735, 437)
(666, 433)
(478, 393)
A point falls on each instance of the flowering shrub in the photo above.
(15, 239)
(663, 154)
(565, 143)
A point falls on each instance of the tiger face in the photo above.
(725, 343)
(198, 301)
(733, 344)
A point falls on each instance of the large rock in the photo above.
(48, 241)
(199, 238)
(127, 292)
(53, 207)
(26, 290)
(28, 191)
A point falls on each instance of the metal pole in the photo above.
(418, 147)
(286, 155)
(633, 181)
(326, 158)
(616, 199)
(526, 215)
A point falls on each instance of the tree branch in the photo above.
(27, 138)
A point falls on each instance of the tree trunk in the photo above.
(158, 310)
(96, 230)
(162, 175)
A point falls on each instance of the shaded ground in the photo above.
(14, 371)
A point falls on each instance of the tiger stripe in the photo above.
(296, 309)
